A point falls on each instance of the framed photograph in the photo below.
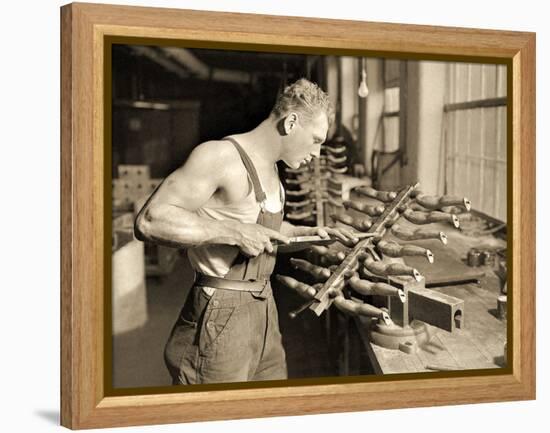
(266, 216)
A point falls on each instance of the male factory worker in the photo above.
(225, 205)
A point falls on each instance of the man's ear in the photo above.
(290, 122)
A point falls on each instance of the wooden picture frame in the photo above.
(85, 30)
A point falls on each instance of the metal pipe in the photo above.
(481, 103)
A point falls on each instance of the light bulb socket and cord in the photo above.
(363, 90)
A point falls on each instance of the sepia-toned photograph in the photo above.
(281, 216)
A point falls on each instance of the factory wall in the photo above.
(476, 144)
(449, 150)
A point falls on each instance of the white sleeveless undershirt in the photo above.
(215, 260)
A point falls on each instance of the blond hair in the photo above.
(303, 97)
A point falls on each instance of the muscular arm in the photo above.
(168, 217)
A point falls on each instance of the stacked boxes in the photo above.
(131, 190)
(133, 183)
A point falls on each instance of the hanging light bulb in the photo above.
(363, 90)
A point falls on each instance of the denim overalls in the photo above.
(233, 335)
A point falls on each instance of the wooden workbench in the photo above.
(479, 344)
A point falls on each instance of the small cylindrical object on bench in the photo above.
(440, 367)
(474, 257)
(488, 258)
(502, 307)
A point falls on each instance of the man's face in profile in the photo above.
(304, 138)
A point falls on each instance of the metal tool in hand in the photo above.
(308, 241)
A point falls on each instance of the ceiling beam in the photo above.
(160, 59)
(201, 70)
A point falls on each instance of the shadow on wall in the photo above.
(49, 415)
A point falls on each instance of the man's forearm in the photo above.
(177, 227)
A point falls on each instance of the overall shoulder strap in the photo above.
(258, 191)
